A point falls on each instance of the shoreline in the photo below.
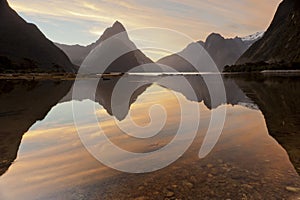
(281, 71)
(71, 76)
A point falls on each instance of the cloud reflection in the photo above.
(53, 163)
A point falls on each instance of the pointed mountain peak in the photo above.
(118, 25)
(115, 29)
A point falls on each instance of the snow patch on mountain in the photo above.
(252, 37)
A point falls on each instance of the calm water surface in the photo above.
(256, 157)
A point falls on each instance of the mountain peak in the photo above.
(115, 29)
(36, 51)
(282, 35)
(118, 25)
(214, 36)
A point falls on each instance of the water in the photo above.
(257, 155)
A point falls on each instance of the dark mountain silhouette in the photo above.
(24, 47)
(132, 58)
(281, 41)
(22, 104)
(222, 51)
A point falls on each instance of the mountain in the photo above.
(25, 48)
(134, 57)
(223, 51)
(178, 62)
(78, 53)
(281, 41)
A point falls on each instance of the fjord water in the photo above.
(256, 157)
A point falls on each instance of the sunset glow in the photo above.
(86, 20)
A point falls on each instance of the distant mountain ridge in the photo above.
(222, 50)
(132, 59)
(281, 42)
(24, 47)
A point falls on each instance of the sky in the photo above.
(83, 21)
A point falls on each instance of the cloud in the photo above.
(196, 18)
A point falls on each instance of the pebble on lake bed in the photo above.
(292, 189)
(170, 194)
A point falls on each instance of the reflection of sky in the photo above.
(52, 159)
(82, 22)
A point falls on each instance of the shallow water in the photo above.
(257, 155)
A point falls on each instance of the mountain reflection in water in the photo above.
(246, 162)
